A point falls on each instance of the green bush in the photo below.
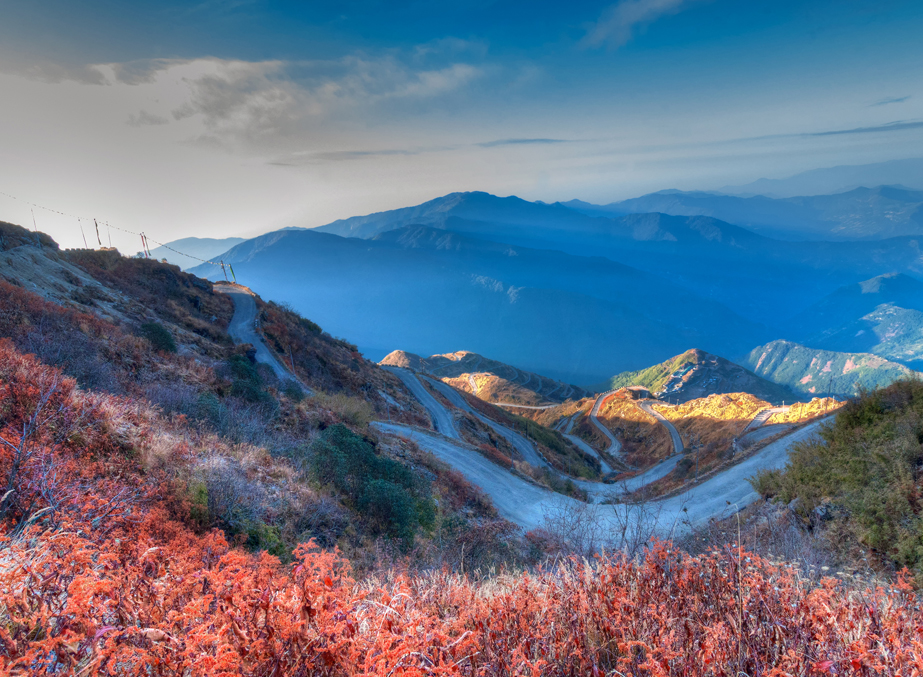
(867, 467)
(767, 483)
(159, 337)
(246, 381)
(395, 499)
(390, 507)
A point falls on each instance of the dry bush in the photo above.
(103, 580)
(355, 411)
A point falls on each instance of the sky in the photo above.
(235, 117)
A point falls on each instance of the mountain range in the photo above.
(571, 318)
(827, 180)
(577, 292)
(858, 214)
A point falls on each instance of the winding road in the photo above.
(527, 504)
(243, 329)
(678, 446)
(442, 419)
(615, 447)
(525, 448)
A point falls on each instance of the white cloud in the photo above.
(260, 105)
(618, 23)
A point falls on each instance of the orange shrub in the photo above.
(98, 578)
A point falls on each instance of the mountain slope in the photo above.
(889, 331)
(695, 373)
(488, 379)
(808, 371)
(571, 318)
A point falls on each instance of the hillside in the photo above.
(888, 331)
(549, 313)
(487, 379)
(808, 371)
(857, 214)
(230, 446)
(694, 374)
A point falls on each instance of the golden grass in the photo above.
(644, 440)
(805, 411)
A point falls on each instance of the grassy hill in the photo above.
(695, 374)
(490, 380)
(810, 371)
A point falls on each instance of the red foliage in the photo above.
(88, 590)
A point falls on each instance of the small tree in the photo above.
(159, 337)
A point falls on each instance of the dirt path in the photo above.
(678, 446)
(527, 504)
(442, 419)
(243, 329)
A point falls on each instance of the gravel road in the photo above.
(243, 330)
(442, 419)
(527, 504)
(677, 440)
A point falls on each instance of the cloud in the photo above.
(520, 142)
(143, 118)
(896, 126)
(885, 102)
(53, 73)
(618, 24)
(301, 159)
(270, 104)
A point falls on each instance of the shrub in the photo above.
(371, 482)
(354, 410)
(159, 337)
(867, 466)
(767, 483)
(390, 507)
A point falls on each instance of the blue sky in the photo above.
(234, 117)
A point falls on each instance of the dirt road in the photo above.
(527, 504)
(243, 329)
(678, 446)
(442, 419)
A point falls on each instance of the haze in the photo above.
(233, 118)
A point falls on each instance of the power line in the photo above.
(144, 238)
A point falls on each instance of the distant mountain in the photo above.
(712, 258)
(888, 331)
(809, 371)
(571, 318)
(852, 302)
(694, 374)
(907, 172)
(858, 214)
(197, 247)
(488, 379)
(882, 316)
